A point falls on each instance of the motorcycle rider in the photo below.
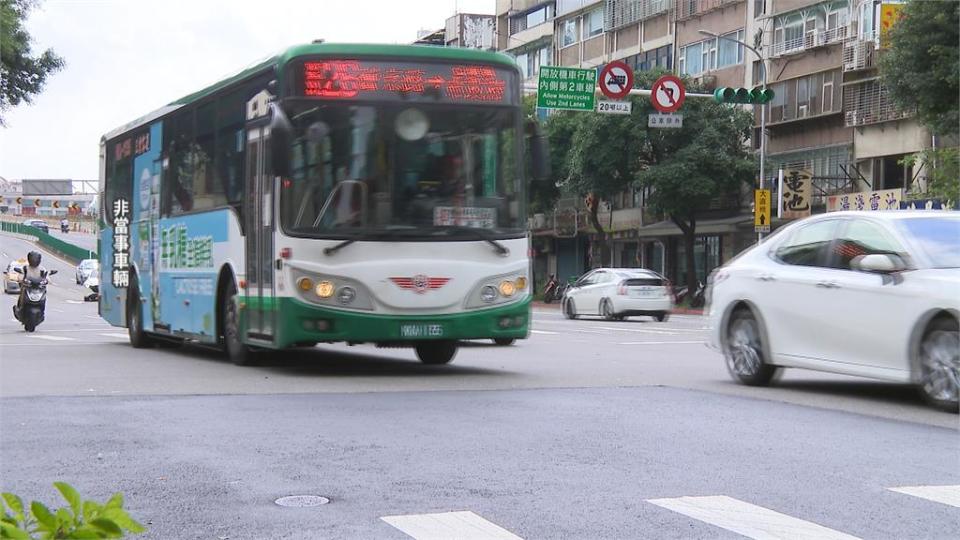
(550, 289)
(64, 225)
(33, 269)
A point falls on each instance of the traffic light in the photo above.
(757, 96)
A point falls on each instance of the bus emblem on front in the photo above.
(420, 283)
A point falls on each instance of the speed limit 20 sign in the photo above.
(668, 94)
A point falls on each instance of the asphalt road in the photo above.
(590, 429)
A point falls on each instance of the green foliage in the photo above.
(922, 66)
(80, 520)
(943, 172)
(22, 75)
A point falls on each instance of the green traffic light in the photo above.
(757, 95)
(724, 94)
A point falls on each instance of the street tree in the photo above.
(921, 66)
(22, 74)
(684, 169)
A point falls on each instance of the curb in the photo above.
(676, 311)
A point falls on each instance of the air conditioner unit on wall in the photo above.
(851, 57)
(810, 39)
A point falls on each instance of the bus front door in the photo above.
(260, 296)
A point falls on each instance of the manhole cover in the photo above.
(302, 501)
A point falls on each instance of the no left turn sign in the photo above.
(616, 80)
(668, 94)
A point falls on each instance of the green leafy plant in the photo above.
(80, 520)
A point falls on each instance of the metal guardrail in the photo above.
(66, 249)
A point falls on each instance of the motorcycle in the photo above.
(64, 228)
(550, 292)
(33, 292)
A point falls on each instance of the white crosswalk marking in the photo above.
(544, 332)
(747, 519)
(52, 338)
(449, 525)
(942, 494)
(116, 335)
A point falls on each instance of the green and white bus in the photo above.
(331, 193)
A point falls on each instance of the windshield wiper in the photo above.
(482, 234)
(373, 235)
(333, 249)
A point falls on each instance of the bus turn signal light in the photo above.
(305, 284)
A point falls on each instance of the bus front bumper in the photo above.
(298, 322)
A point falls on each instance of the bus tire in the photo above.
(504, 341)
(138, 337)
(436, 352)
(233, 346)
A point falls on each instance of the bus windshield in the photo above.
(372, 169)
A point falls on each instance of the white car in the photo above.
(618, 293)
(872, 294)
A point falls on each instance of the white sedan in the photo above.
(871, 294)
(617, 293)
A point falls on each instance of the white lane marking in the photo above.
(93, 317)
(544, 332)
(747, 519)
(116, 335)
(55, 310)
(447, 525)
(941, 494)
(52, 338)
(678, 342)
(75, 302)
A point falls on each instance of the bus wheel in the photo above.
(233, 346)
(138, 338)
(503, 341)
(436, 352)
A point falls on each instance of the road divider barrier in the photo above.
(51, 243)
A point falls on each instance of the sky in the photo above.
(126, 58)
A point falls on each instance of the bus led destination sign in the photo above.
(391, 81)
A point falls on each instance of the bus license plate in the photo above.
(421, 330)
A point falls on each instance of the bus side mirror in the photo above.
(281, 134)
(539, 151)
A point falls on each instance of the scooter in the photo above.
(64, 228)
(550, 291)
(33, 291)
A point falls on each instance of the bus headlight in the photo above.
(346, 295)
(488, 293)
(324, 289)
(501, 289)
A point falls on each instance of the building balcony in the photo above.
(869, 103)
(692, 8)
(534, 33)
(620, 13)
(812, 39)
